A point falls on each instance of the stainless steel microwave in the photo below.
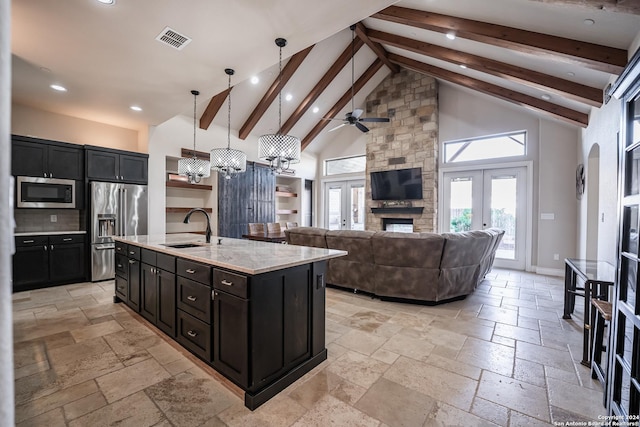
(51, 193)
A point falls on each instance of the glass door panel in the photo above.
(487, 198)
(345, 205)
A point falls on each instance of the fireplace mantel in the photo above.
(398, 210)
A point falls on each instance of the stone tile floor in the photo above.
(503, 356)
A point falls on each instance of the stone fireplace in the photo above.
(410, 140)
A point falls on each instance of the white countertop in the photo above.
(47, 233)
(246, 256)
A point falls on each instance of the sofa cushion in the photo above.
(420, 250)
(353, 270)
(461, 262)
(307, 236)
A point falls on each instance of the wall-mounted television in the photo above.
(398, 184)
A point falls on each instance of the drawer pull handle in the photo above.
(119, 265)
(224, 282)
(67, 239)
(132, 261)
(191, 298)
(192, 334)
(190, 271)
(28, 241)
(132, 253)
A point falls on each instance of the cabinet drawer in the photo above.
(122, 268)
(32, 241)
(133, 252)
(193, 270)
(195, 299)
(121, 287)
(166, 262)
(194, 335)
(66, 238)
(121, 248)
(148, 257)
(231, 283)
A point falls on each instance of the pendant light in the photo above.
(192, 167)
(279, 150)
(225, 161)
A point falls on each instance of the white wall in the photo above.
(38, 123)
(604, 125)
(6, 218)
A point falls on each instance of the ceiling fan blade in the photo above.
(357, 113)
(331, 118)
(375, 119)
(362, 127)
(337, 127)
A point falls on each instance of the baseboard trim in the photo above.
(559, 272)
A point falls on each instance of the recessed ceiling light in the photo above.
(288, 97)
(546, 97)
(463, 66)
(315, 110)
(135, 108)
(451, 36)
(107, 1)
(571, 74)
(45, 70)
(588, 22)
(255, 80)
(59, 88)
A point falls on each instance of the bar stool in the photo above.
(603, 316)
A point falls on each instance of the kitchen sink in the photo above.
(181, 245)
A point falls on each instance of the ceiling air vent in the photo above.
(173, 38)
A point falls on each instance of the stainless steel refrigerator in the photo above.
(116, 210)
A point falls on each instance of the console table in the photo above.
(595, 277)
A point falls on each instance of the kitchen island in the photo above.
(254, 311)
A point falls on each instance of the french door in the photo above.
(484, 198)
(344, 205)
(623, 369)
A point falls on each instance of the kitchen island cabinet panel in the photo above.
(255, 312)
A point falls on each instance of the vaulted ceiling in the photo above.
(551, 56)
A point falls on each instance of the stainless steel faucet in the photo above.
(208, 231)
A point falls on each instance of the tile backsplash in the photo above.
(37, 220)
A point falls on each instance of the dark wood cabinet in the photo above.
(248, 197)
(42, 261)
(127, 277)
(158, 290)
(48, 159)
(260, 331)
(116, 166)
(230, 337)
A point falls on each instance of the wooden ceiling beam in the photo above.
(576, 91)
(621, 6)
(565, 114)
(287, 72)
(212, 109)
(377, 48)
(342, 102)
(603, 58)
(324, 82)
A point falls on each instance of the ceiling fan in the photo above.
(352, 118)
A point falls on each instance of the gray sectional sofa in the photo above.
(425, 267)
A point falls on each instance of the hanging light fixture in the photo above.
(226, 161)
(192, 167)
(279, 150)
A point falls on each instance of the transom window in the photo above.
(486, 147)
(345, 165)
